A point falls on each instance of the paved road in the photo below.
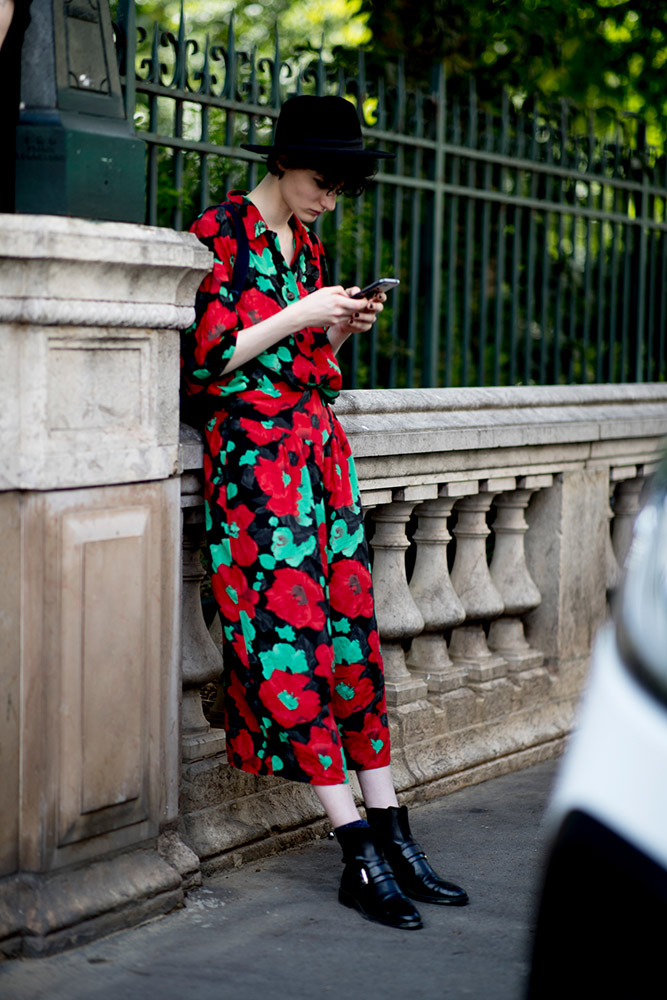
(275, 930)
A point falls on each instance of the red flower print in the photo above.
(370, 748)
(336, 478)
(350, 589)
(305, 370)
(295, 597)
(243, 548)
(208, 473)
(287, 698)
(241, 752)
(305, 426)
(375, 655)
(207, 225)
(259, 434)
(240, 648)
(214, 439)
(233, 593)
(237, 692)
(280, 481)
(324, 655)
(271, 405)
(351, 691)
(322, 542)
(218, 321)
(320, 757)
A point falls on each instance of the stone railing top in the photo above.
(58, 237)
(411, 421)
(59, 271)
(366, 401)
(402, 436)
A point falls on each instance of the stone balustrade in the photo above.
(499, 519)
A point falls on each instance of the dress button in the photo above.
(290, 296)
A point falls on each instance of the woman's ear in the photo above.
(282, 164)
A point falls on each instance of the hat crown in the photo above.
(322, 121)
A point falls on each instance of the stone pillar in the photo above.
(474, 586)
(511, 577)
(89, 492)
(434, 595)
(201, 661)
(565, 550)
(626, 507)
(399, 618)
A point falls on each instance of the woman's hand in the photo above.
(325, 307)
(365, 314)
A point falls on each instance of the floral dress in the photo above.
(303, 677)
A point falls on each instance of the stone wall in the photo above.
(485, 652)
(90, 536)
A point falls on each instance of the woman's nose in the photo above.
(330, 201)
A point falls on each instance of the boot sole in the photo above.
(353, 904)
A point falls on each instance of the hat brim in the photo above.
(368, 154)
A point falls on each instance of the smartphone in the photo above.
(381, 285)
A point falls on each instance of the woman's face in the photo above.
(306, 193)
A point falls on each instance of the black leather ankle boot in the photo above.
(391, 831)
(368, 883)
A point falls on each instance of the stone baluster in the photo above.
(626, 507)
(511, 577)
(399, 618)
(434, 595)
(613, 570)
(473, 584)
(201, 660)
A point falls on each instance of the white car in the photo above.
(602, 919)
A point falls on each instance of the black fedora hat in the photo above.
(318, 125)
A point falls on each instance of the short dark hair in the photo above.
(351, 175)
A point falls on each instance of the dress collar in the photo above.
(255, 225)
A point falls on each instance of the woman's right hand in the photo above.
(325, 307)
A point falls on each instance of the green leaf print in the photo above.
(247, 627)
(286, 633)
(284, 547)
(283, 656)
(264, 263)
(220, 556)
(249, 457)
(340, 540)
(345, 691)
(288, 700)
(346, 650)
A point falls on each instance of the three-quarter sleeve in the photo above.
(208, 344)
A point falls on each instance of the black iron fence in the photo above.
(530, 250)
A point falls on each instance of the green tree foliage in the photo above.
(302, 23)
(595, 53)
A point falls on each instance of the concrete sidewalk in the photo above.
(275, 930)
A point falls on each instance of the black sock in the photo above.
(357, 824)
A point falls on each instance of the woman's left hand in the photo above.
(360, 321)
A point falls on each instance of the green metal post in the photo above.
(76, 152)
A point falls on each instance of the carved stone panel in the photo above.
(99, 593)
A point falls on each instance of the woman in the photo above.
(304, 689)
